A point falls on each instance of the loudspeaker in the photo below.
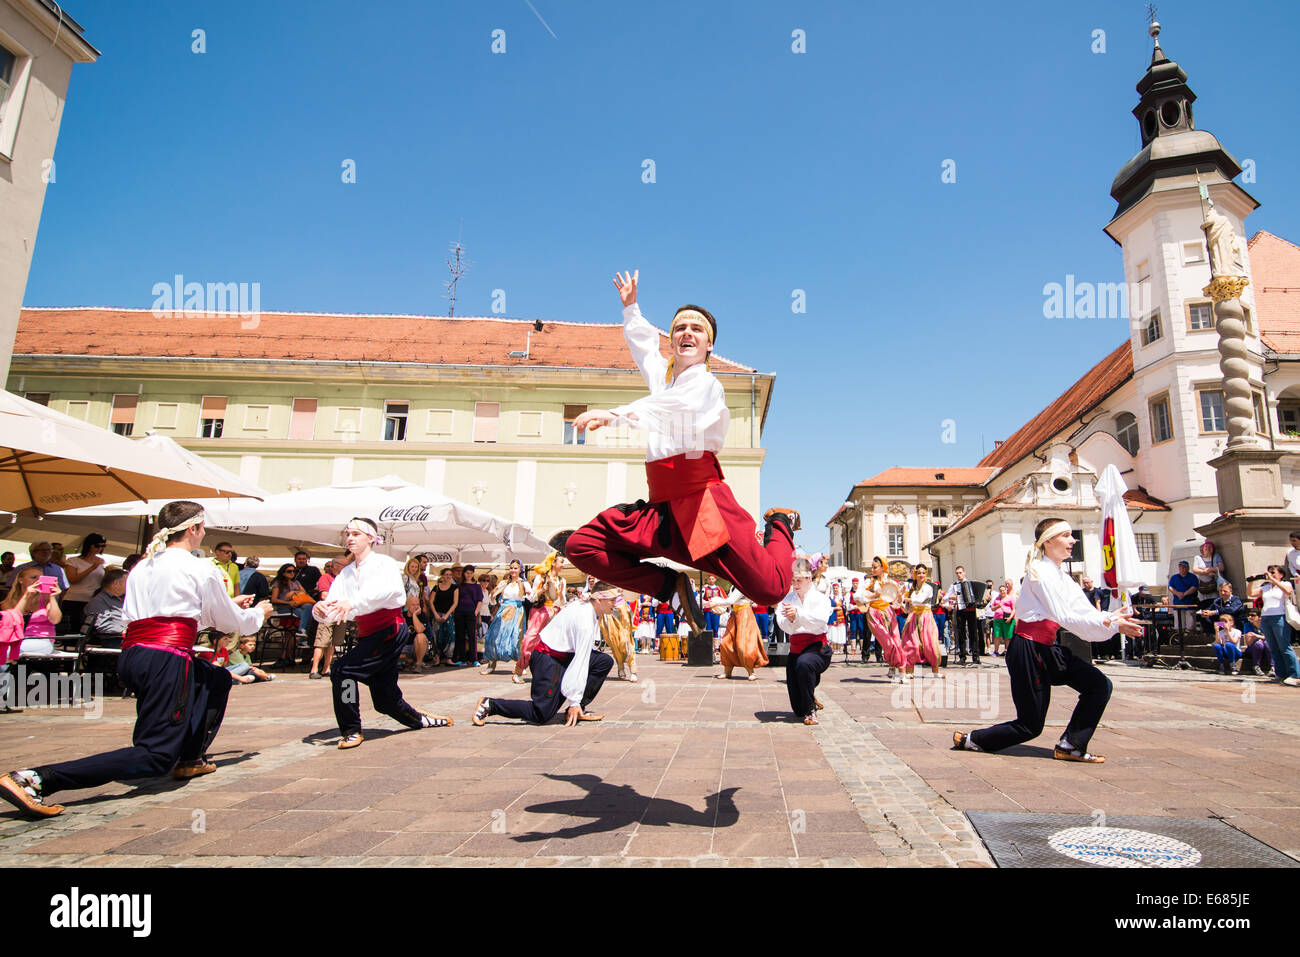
(699, 650)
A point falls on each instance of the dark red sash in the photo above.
(686, 483)
(800, 642)
(375, 621)
(563, 657)
(1043, 632)
(176, 635)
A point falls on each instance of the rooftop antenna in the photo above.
(457, 267)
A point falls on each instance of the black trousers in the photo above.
(1033, 669)
(803, 672)
(372, 661)
(547, 698)
(966, 633)
(180, 702)
(466, 637)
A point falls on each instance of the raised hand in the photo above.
(595, 418)
(626, 286)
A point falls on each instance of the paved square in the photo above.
(685, 770)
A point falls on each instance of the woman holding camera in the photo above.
(1274, 592)
(38, 602)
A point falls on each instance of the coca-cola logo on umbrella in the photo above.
(405, 513)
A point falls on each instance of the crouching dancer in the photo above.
(567, 670)
(180, 699)
(370, 590)
(1051, 599)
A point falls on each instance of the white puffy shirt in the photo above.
(688, 415)
(370, 585)
(176, 584)
(812, 613)
(1049, 594)
(573, 631)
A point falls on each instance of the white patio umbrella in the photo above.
(411, 518)
(50, 461)
(1118, 546)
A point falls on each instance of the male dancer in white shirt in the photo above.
(804, 616)
(180, 699)
(567, 669)
(1050, 599)
(692, 516)
(370, 590)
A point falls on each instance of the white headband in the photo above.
(159, 541)
(1049, 533)
(364, 527)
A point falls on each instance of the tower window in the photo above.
(1170, 113)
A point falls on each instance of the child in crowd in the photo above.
(1227, 645)
(240, 663)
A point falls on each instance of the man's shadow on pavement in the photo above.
(612, 807)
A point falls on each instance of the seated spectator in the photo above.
(289, 597)
(43, 558)
(248, 571)
(1182, 587)
(257, 586)
(1225, 603)
(131, 561)
(1227, 645)
(39, 608)
(1255, 646)
(240, 663)
(7, 571)
(104, 612)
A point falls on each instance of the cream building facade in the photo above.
(39, 43)
(303, 401)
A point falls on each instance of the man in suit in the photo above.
(963, 598)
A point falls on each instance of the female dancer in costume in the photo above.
(920, 634)
(838, 624)
(882, 593)
(547, 596)
(507, 627)
(616, 631)
(742, 644)
(645, 623)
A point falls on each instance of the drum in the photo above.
(670, 647)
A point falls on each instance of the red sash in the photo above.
(375, 621)
(686, 483)
(563, 657)
(760, 609)
(176, 635)
(798, 643)
(1043, 632)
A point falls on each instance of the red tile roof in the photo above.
(938, 476)
(1135, 498)
(471, 340)
(1275, 268)
(1097, 383)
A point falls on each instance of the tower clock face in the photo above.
(1170, 113)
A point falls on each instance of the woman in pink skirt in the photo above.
(920, 633)
(882, 592)
(547, 596)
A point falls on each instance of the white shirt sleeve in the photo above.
(1056, 596)
(370, 586)
(683, 413)
(812, 615)
(581, 627)
(219, 609)
(643, 342)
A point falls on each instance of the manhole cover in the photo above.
(1081, 840)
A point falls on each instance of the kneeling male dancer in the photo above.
(567, 669)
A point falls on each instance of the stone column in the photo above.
(1234, 362)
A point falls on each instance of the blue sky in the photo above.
(774, 171)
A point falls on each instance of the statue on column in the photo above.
(1221, 241)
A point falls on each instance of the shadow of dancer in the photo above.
(612, 807)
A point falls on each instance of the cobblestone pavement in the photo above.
(685, 771)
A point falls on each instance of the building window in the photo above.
(40, 398)
(1151, 328)
(395, 414)
(212, 416)
(1162, 428)
(1147, 547)
(302, 419)
(1212, 417)
(486, 415)
(441, 421)
(122, 419)
(571, 437)
(1288, 419)
(7, 63)
(1200, 316)
(530, 425)
(79, 409)
(1261, 419)
(1144, 270)
(1126, 431)
(895, 540)
(937, 530)
(1193, 253)
(1246, 314)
